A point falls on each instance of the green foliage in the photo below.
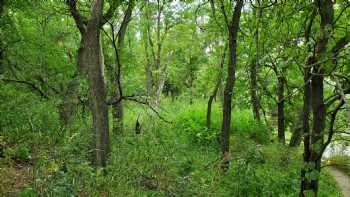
(39, 44)
(22, 153)
(27, 192)
(192, 120)
(162, 161)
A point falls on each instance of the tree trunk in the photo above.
(305, 185)
(216, 88)
(254, 70)
(297, 134)
(295, 140)
(160, 69)
(233, 27)
(253, 90)
(280, 113)
(97, 85)
(2, 7)
(118, 113)
(2, 48)
(149, 79)
(147, 41)
(91, 61)
(160, 85)
(69, 105)
(117, 107)
(313, 163)
(70, 101)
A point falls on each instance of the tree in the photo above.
(317, 68)
(216, 88)
(90, 59)
(156, 66)
(2, 50)
(232, 25)
(117, 41)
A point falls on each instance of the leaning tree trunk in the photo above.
(233, 27)
(216, 88)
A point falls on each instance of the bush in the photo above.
(27, 192)
(192, 121)
(22, 153)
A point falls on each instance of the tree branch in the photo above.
(80, 21)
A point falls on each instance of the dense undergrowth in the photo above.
(177, 159)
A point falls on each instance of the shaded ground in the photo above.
(342, 179)
(14, 179)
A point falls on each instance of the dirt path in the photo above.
(342, 179)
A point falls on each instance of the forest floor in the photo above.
(342, 179)
(14, 179)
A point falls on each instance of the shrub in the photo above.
(192, 121)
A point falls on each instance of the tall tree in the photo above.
(281, 81)
(232, 25)
(318, 63)
(156, 66)
(254, 66)
(91, 60)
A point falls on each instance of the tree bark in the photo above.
(160, 69)
(253, 89)
(216, 88)
(2, 48)
(305, 185)
(307, 105)
(297, 134)
(155, 67)
(97, 85)
(117, 107)
(280, 110)
(233, 27)
(315, 144)
(91, 60)
(254, 71)
(70, 101)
